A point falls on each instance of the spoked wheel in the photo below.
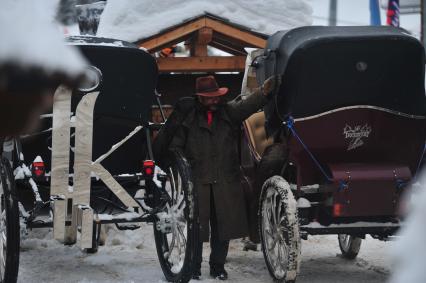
(349, 245)
(279, 230)
(176, 229)
(9, 225)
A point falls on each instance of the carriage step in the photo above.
(40, 224)
(359, 228)
(127, 227)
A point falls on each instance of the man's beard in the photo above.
(214, 107)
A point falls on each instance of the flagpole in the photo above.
(332, 18)
(423, 25)
(375, 13)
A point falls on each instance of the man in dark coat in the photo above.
(208, 137)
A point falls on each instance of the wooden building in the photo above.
(178, 74)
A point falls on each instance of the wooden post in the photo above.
(200, 41)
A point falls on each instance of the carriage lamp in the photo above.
(37, 168)
(148, 168)
(338, 209)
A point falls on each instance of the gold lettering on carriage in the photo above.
(356, 134)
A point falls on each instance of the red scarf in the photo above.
(209, 117)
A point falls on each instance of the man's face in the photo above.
(211, 103)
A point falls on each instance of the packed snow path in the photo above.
(130, 256)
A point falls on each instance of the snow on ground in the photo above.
(31, 39)
(133, 20)
(410, 252)
(130, 256)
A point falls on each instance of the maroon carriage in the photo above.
(342, 138)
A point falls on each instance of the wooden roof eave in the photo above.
(183, 31)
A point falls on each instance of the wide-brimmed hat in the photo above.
(207, 86)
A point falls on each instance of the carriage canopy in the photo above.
(325, 68)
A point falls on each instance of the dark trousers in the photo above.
(219, 249)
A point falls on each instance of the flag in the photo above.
(375, 13)
(393, 13)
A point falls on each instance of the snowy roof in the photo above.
(98, 41)
(134, 20)
(214, 17)
(31, 40)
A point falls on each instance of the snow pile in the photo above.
(303, 203)
(133, 20)
(82, 41)
(126, 215)
(410, 250)
(31, 39)
(38, 159)
(158, 171)
(21, 172)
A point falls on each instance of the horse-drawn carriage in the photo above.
(92, 164)
(345, 134)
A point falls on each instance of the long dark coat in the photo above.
(213, 154)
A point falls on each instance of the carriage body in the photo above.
(92, 163)
(127, 81)
(351, 113)
(125, 78)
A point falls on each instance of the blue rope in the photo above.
(343, 185)
(290, 125)
(400, 184)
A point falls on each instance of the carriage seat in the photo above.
(255, 129)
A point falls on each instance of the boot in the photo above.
(218, 272)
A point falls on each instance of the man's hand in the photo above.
(271, 84)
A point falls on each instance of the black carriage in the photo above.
(345, 134)
(92, 164)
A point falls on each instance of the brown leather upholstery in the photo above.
(255, 129)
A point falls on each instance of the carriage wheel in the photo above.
(9, 225)
(176, 229)
(349, 245)
(279, 230)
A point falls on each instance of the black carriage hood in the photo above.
(325, 68)
(129, 77)
(126, 94)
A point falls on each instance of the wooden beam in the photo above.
(202, 64)
(168, 38)
(236, 33)
(231, 42)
